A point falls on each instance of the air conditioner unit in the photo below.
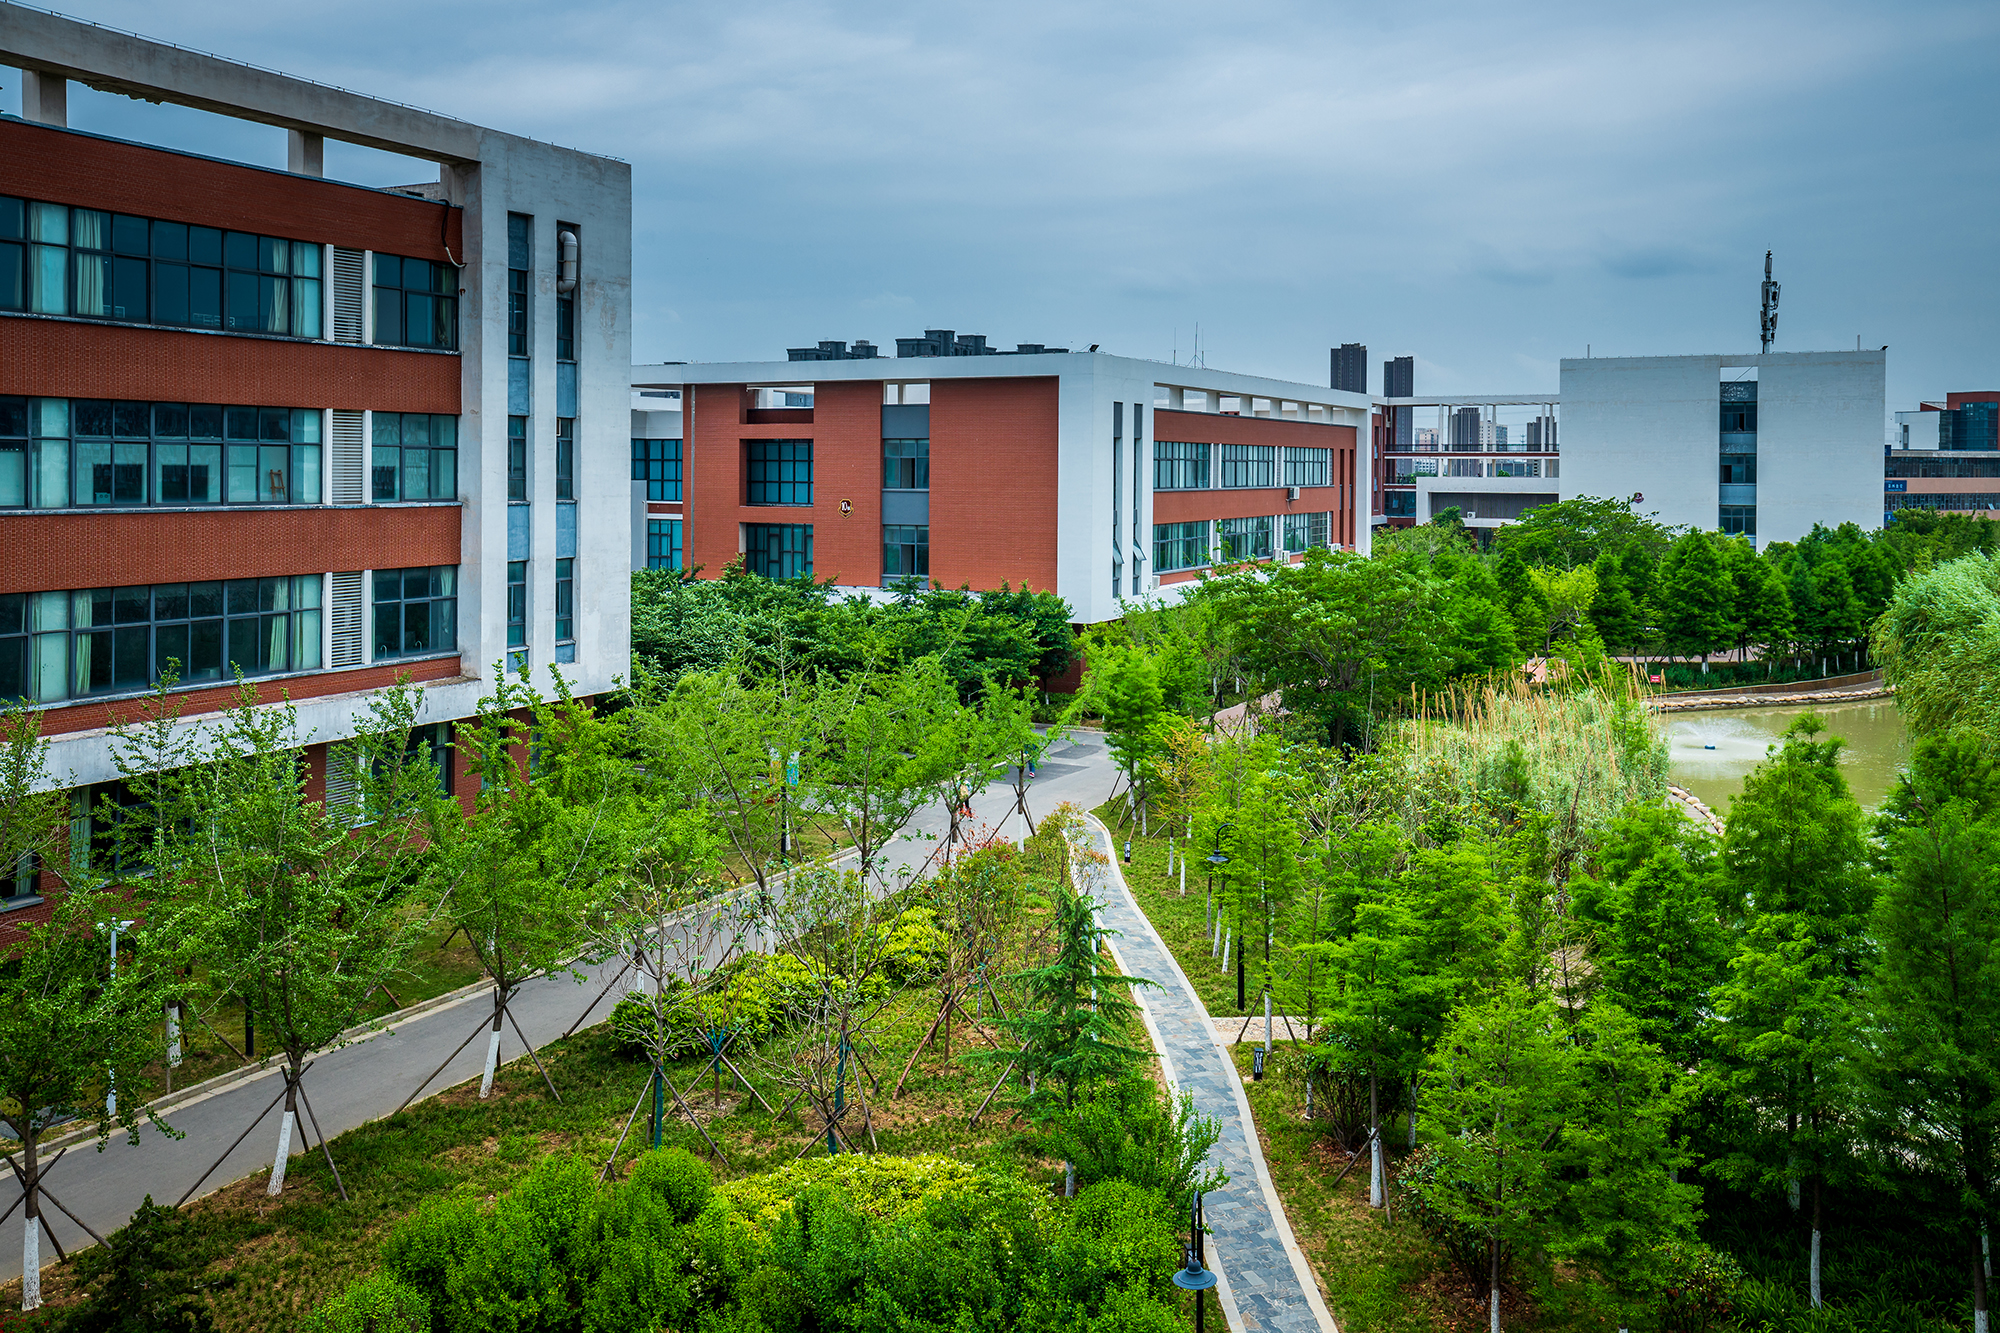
(1291, 492)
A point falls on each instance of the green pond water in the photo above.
(1877, 746)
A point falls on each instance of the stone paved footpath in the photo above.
(1266, 1283)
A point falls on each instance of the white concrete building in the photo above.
(1765, 444)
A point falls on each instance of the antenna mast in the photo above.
(1767, 315)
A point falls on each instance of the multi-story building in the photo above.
(1945, 456)
(1762, 444)
(1103, 478)
(255, 420)
(1349, 367)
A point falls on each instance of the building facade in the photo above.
(1761, 444)
(329, 436)
(1103, 478)
(1945, 457)
(1467, 459)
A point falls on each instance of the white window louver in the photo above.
(349, 271)
(349, 459)
(344, 621)
(343, 781)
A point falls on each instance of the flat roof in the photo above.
(923, 369)
(133, 66)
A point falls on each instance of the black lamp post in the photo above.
(1216, 860)
(1194, 1277)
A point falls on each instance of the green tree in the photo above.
(71, 1034)
(1640, 565)
(1795, 855)
(1503, 1088)
(1939, 646)
(1613, 609)
(1932, 1051)
(1072, 1023)
(878, 741)
(523, 873)
(1695, 599)
(1371, 1011)
(1664, 955)
(301, 911)
(1341, 637)
(1760, 608)
(1622, 1197)
(144, 1279)
(1575, 532)
(1133, 703)
(1523, 600)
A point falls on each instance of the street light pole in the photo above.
(1194, 1277)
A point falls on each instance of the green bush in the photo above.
(677, 1177)
(1698, 1286)
(883, 1188)
(1421, 1188)
(143, 1278)
(425, 1246)
(1134, 1133)
(377, 1303)
(913, 947)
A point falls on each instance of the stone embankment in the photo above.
(1691, 703)
(1694, 808)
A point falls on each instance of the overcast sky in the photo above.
(1492, 187)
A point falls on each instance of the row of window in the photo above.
(1200, 543)
(64, 645)
(1957, 502)
(56, 453)
(520, 265)
(1916, 465)
(1467, 467)
(1184, 465)
(57, 260)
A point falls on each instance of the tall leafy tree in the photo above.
(522, 874)
(1370, 1015)
(1932, 1056)
(1501, 1091)
(71, 1035)
(301, 911)
(1795, 855)
(1576, 531)
(1523, 600)
(1760, 608)
(1612, 609)
(877, 738)
(1695, 598)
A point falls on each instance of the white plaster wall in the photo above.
(1644, 424)
(551, 185)
(1820, 422)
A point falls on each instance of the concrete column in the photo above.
(44, 97)
(1177, 399)
(305, 154)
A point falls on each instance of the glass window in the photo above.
(1739, 469)
(1738, 520)
(658, 464)
(663, 543)
(413, 456)
(517, 458)
(517, 615)
(13, 254)
(781, 471)
(1308, 467)
(565, 458)
(1180, 546)
(132, 454)
(520, 258)
(565, 328)
(1244, 538)
(565, 601)
(1248, 466)
(1179, 465)
(416, 302)
(778, 550)
(1399, 504)
(416, 611)
(906, 465)
(906, 553)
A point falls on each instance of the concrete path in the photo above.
(1265, 1276)
(369, 1079)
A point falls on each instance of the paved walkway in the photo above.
(1265, 1276)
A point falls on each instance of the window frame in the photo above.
(661, 469)
(665, 544)
(906, 466)
(778, 473)
(786, 546)
(440, 598)
(911, 545)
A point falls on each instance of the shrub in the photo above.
(374, 1304)
(884, 1188)
(1420, 1186)
(679, 1178)
(1698, 1286)
(1134, 1133)
(428, 1244)
(143, 1278)
(913, 947)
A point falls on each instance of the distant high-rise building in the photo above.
(1427, 439)
(1399, 377)
(1350, 368)
(1465, 425)
(1542, 433)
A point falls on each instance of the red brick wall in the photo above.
(60, 358)
(59, 167)
(993, 482)
(76, 548)
(107, 712)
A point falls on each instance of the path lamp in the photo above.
(1216, 860)
(1194, 1277)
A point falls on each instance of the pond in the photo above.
(1712, 752)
